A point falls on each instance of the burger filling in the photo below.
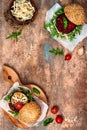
(64, 25)
(22, 104)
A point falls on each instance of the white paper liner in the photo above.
(44, 107)
(70, 45)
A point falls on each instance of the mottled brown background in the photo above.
(65, 82)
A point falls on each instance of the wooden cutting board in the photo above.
(11, 76)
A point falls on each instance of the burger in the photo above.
(67, 22)
(23, 106)
(21, 12)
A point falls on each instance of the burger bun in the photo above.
(75, 13)
(30, 112)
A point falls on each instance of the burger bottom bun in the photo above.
(75, 13)
(30, 112)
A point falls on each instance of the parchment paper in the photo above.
(44, 107)
(70, 45)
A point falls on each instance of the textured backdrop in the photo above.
(64, 82)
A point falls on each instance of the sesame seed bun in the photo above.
(30, 112)
(75, 13)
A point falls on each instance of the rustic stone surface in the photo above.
(64, 82)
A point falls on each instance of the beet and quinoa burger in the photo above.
(67, 22)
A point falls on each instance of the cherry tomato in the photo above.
(54, 109)
(68, 56)
(59, 119)
(18, 105)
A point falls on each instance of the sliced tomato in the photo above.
(18, 105)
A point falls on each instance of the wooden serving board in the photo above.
(11, 76)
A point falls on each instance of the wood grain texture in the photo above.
(64, 82)
(11, 76)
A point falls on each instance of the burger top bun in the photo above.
(30, 112)
(75, 13)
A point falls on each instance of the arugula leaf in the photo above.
(56, 51)
(30, 97)
(15, 113)
(63, 36)
(35, 90)
(65, 21)
(52, 23)
(7, 98)
(19, 32)
(47, 25)
(60, 11)
(48, 121)
(72, 35)
(27, 92)
(15, 35)
(22, 90)
(78, 29)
